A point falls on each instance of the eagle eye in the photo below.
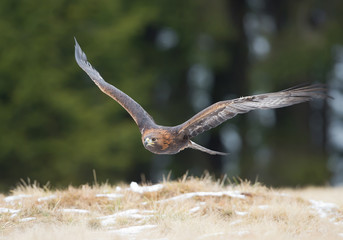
(153, 139)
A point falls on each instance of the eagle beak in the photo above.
(148, 142)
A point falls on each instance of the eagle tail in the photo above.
(196, 146)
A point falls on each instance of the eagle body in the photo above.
(171, 140)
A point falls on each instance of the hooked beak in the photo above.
(148, 142)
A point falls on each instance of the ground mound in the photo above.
(190, 208)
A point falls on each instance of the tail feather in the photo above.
(203, 149)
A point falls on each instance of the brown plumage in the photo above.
(170, 140)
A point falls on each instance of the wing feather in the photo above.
(219, 112)
(140, 116)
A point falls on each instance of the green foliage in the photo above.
(55, 124)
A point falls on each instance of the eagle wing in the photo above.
(219, 112)
(139, 115)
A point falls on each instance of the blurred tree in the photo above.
(174, 58)
(55, 124)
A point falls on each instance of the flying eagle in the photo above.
(171, 140)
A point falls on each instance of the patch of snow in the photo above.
(8, 210)
(133, 229)
(148, 211)
(233, 194)
(118, 188)
(155, 239)
(242, 233)
(41, 199)
(131, 213)
(110, 196)
(263, 207)
(73, 210)
(16, 197)
(195, 209)
(134, 187)
(236, 222)
(282, 194)
(340, 234)
(323, 208)
(241, 213)
(27, 219)
(211, 235)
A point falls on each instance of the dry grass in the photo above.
(170, 211)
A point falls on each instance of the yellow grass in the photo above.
(245, 211)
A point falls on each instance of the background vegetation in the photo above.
(174, 58)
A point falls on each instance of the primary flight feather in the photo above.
(170, 140)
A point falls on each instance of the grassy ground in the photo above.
(186, 209)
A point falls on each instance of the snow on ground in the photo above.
(134, 187)
(27, 219)
(216, 234)
(195, 209)
(8, 210)
(131, 213)
(233, 194)
(236, 222)
(74, 210)
(42, 199)
(241, 213)
(110, 196)
(221, 234)
(10, 199)
(133, 230)
(326, 210)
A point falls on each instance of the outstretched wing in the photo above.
(141, 117)
(219, 112)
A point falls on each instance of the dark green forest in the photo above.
(174, 57)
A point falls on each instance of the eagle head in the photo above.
(153, 142)
(160, 141)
